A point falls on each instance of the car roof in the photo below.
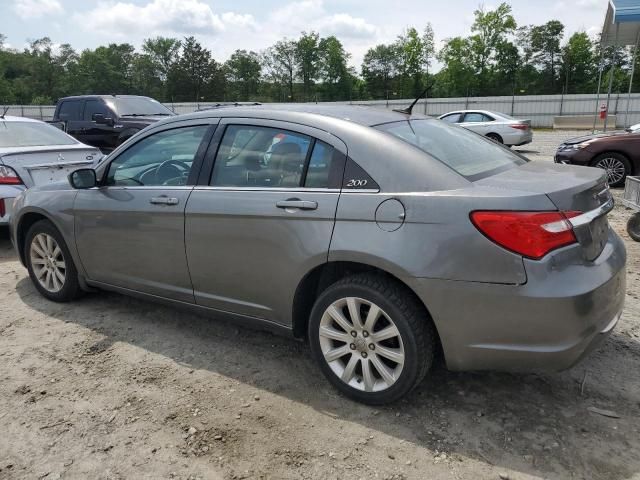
(84, 97)
(488, 112)
(367, 116)
(10, 118)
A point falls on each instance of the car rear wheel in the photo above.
(49, 262)
(495, 137)
(372, 340)
(616, 165)
(633, 227)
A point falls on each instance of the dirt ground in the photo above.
(115, 388)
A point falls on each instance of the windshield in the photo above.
(32, 134)
(137, 106)
(471, 155)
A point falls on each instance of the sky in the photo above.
(226, 25)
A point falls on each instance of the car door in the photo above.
(70, 112)
(101, 135)
(476, 122)
(263, 217)
(130, 229)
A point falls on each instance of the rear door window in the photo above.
(70, 110)
(319, 166)
(253, 156)
(476, 117)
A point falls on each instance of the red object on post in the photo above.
(603, 111)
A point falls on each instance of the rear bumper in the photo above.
(8, 194)
(518, 138)
(550, 323)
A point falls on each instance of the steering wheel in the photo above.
(170, 169)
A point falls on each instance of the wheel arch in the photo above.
(27, 220)
(326, 274)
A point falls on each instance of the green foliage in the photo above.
(496, 58)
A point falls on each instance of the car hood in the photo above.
(147, 119)
(597, 136)
(52, 187)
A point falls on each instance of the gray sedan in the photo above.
(499, 127)
(380, 237)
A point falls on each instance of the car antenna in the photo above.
(6, 109)
(409, 109)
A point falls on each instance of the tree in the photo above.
(334, 71)
(308, 60)
(191, 72)
(411, 48)
(491, 28)
(380, 68)
(279, 63)
(545, 46)
(161, 54)
(579, 64)
(429, 46)
(458, 77)
(243, 71)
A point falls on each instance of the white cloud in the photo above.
(344, 25)
(158, 16)
(26, 9)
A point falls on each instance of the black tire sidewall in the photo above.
(617, 156)
(633, 227)
(71, 288)
(411, 370)
(494, 137)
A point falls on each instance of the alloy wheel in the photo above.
(48, 263)
(361, 344)
(614, 167)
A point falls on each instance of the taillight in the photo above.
(530, 234)
(519, 126)
(8, 176)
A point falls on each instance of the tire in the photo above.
(633, 227)
(616, 165)
(39, 250)
(495, 137)
(412, 341)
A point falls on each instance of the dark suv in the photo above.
(105, 121)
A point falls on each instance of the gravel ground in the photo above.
(115, 388)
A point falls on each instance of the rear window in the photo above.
(32, 134)
(469, 154)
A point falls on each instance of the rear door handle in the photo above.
(162, 200)
(297, 203)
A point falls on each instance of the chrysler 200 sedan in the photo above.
(381, 237)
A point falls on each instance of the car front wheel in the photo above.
(616, 165)
(49, 262)
(371, 338)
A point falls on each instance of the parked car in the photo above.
(380, 237)
(498, 127)
(617, 152)
(106, 121)
(35, 153)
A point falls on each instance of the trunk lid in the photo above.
(570, 188)
(43, 165)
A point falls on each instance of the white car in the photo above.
(499, 127)
(36, 153)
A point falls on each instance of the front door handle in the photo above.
(297, 203)
(163, 200)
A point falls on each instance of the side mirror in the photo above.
(100, 119)
(83, 178)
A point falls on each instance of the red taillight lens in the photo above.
(520, 126)
(530, 234)
(3, 209)
(8, 176)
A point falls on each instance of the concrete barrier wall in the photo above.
(540, 109)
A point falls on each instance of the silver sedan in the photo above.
(380, 237)
(499, 127)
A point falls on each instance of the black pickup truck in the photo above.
(105, 121)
